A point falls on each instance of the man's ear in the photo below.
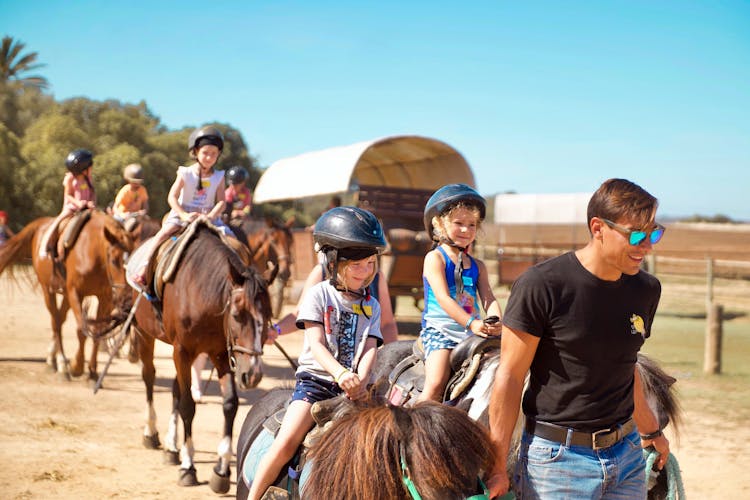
(596, 225)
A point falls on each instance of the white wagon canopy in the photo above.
(410, 162)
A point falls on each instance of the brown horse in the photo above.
(93, 267)
(269, 242)
(214, 304)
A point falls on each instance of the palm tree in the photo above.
(12, 64)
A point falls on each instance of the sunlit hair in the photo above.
(344, 265)
(445, 450)
(442, 221)
(620, 198)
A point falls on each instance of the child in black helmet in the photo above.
(342, 331)
(237, 196)
(78, 194)
(455, 283)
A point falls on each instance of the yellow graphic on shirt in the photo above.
(205, 183)
(637, 325)
(359, 310)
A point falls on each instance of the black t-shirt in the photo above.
(590, 333)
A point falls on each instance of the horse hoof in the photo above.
(219, 483)
(187, 477)
(171, 457)
(152, 442)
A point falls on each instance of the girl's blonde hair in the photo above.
(344, 264)
(439, 222)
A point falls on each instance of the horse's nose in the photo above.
(250, 380)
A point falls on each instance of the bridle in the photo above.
(232, 348)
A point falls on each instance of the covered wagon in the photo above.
(392, 177)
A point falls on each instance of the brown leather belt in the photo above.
(597, 440)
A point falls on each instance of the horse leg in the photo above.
(171, 451)
(76, 365)
(148, 374)
(220, 478)
(56, 360)
(183, 401)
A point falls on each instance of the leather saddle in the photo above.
(163, 266)
(407, 377)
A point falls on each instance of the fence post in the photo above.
(709, 283)
(712, 353)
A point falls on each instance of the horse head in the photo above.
(281, 241)
(246, 326)
(434, 450)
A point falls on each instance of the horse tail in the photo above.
(658, 384)
(19, 246)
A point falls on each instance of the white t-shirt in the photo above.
(347, 323)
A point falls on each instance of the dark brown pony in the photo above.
(438, 448)
(269, 242)
(93, 267)
(214, 304)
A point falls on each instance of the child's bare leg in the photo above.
(161, 236)
(297, 422)
(436, 372)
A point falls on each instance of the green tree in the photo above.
(14, 65)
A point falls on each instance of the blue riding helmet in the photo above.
(448, 196)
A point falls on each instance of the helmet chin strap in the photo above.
(459, 269)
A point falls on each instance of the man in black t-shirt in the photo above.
(577, 322)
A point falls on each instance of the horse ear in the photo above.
(270, 273)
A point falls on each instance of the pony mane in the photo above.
(444, 449)
(207, 256)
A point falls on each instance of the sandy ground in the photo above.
(59, 440)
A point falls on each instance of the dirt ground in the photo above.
(59, 440)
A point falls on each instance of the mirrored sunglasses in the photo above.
(636, 237)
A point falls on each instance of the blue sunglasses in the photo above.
(637, 237)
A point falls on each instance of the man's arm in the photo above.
(518, 350)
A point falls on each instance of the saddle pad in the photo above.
(259, 448)
(135, 262)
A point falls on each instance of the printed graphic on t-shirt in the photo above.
(637, 326)
(346, 337)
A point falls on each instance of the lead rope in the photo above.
(675, 488)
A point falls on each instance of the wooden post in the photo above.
(709, 284)
(712, 353)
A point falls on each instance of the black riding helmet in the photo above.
(447, 197)
(237, 175)
(79, 160)
(206, 135)
(347, 233)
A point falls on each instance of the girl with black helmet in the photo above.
(454, 282)
(237, 196)
(78, 194)
(198, 191)
(342, 331)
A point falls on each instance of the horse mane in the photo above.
(657, 383)
(445, 451)
(205, 256)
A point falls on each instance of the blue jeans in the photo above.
(550, 470)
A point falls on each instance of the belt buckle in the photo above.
(595, 435)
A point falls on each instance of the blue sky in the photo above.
(540, 97)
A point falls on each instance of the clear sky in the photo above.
(539, 96)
